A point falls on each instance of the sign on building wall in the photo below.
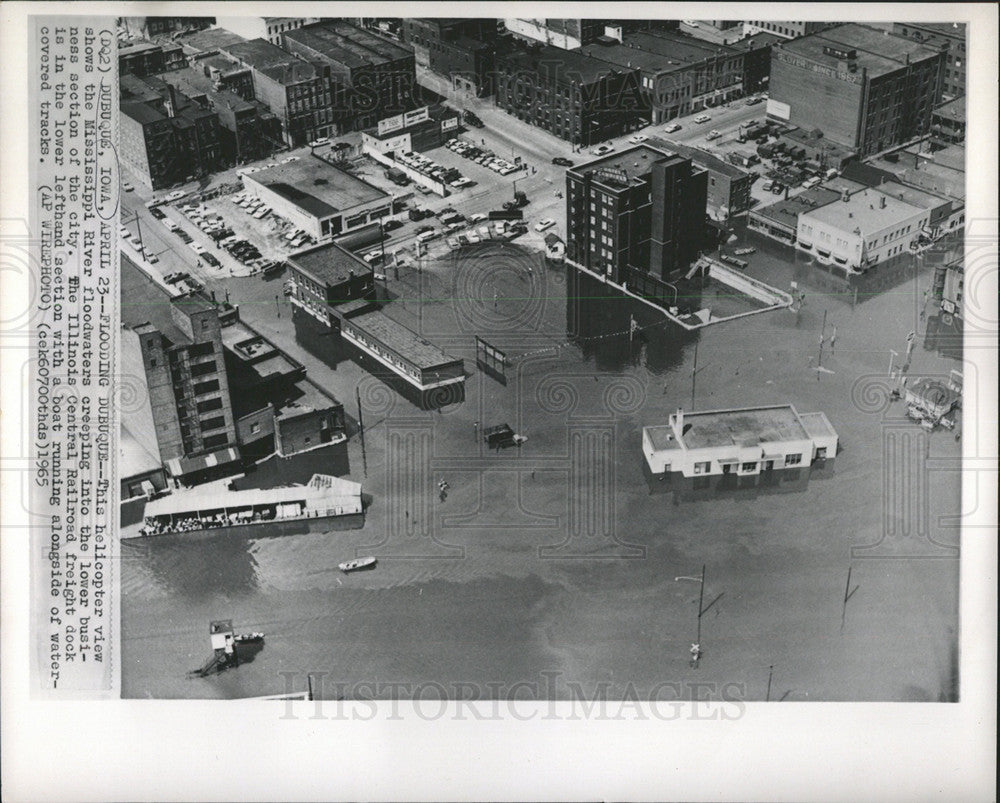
(416, 116)
(390, 124)
(448, 125)
(775, 108)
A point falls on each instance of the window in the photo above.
(213, 423)
(203, 368)
(152, 362)
(793, 459)
(206, 387)
(208, 406)
(748, 467)
(702, 468)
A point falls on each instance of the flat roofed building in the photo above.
(679, 74)
(742, 441)
(402, 350)
(949, 37)
(861, 229)
(269, 29)
(320, 199)
(327, 276)
(948, 123)
(863, 88)
(566, 34)
(783, 28)
(728, 188)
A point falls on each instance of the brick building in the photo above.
(756, 52)
(639, 210)
(949, 37)
(948, 123)
(327, 276)
(679, 74)
(370, 77)
(567, 34)
(149, 58)
(783, 28)
(728, 186)
(295, 91)
(863, 88)
(460, 49)
(579, 99)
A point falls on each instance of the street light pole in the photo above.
(701, 599)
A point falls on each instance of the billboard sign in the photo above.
(390, 124)
(416, 116)
(778, 110)
(449, 124)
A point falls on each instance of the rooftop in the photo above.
(634, 163)
(678, 50)
(209, 41)
(952, 110)
(864, 211)
(786, 211)
(403, 341)
(567, 65)
(879, 52)
(272, 61)
(193, 82)
(913, 195)
(317, 187)
(739, 428)
(703, 158)
(758, 41)
(309, 398)
(137, 47)
(346, 44)
(949, 30)
(141, 113)
(251, 348)
(329, 263)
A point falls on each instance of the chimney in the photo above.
(679, 423)
(846, 196)
(881, 202)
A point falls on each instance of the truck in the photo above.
(397, 176)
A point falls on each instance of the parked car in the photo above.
(600, 150)
(424, 229)
(670, 128)
(173, 278)
(211, 260)
(470, 119)
(702, 118)
(562, 161)
(545, 223)
(754, 101)
(156, 212)
(427, 235)
(452, 243)
(392, 225)
(319, 143)
(198, 248)
(638, 139)
(778, 188)
(373, 257)
(810, 183)
(477, 217)
(713, 134)
(173, 196)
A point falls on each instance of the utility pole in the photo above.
(694, 372)
(701, 599)
(822, 340)
(361, 420)
(770, 672)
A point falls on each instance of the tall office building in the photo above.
(642, 210)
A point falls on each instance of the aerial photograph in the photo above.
(541, 359)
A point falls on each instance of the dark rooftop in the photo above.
(569, 65)
(702, 158)
(209, 41)
(403, 341)
(272, 61)
(635, 162)
(316, 186)
(329, 263)
(194, 82)
(141, 113)
(879, 52)
(346, 44)
(786, 211)
(758, 41)
(952, 110)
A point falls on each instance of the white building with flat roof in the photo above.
(862, 229)
(742, 441)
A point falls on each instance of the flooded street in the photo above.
(561, 556)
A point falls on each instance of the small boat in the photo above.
(357, 563)
(745, 251)
(739, 263)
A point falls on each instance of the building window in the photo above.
(152, 362)
(702, 468)
(748, 467)
(793, 459)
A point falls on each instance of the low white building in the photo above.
(744, 441)
(318, 198)
(862, 229)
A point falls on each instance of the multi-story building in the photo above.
(949, 37)
(202, 44)
(270, 29)
(187, 391)
(162, 26)
(565, 34)
(460, 49)
(863, 88)
(193, 146)
(783, 28)
(728, 187)
(295, 91)
(248, 131)
(372, 76)
(579, 99)
(641, 210)
(326, 276)
(679, 74)
(756, 52)
(862, 229)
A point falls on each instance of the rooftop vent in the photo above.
(320, 181)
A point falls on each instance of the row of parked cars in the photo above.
(428, 167)
(482, 156)
(253, 206)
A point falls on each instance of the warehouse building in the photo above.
(576, 98)
(320, 199)
(459, 48)
(326, 276)
(728, 185)
(863, 88)
(946, 36)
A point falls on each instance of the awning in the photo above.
(728, 461)
(181, 466)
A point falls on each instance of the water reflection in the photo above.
(733, 487)
(598, 321)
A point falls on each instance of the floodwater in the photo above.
(558, 565)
